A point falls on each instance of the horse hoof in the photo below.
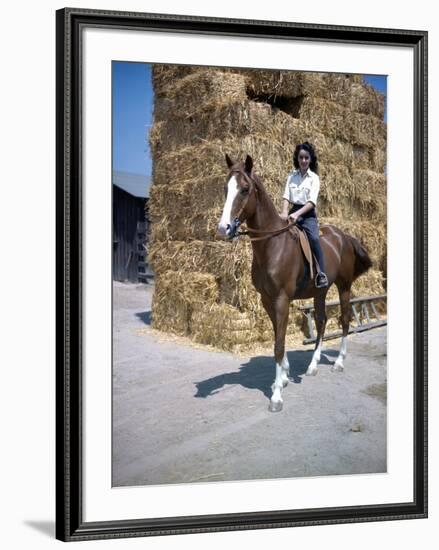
(312, 372)
(336, 367)
(275, 406)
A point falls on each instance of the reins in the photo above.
(264, 234)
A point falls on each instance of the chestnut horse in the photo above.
(279, 271)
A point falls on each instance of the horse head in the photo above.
(240, 192)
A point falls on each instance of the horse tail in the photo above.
(362, 258)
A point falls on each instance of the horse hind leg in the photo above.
(345, 318)
(320, 319)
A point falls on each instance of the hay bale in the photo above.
(165, 76)
(229, 263)
(356, 194)
(199, 90)
(234, 120)
(378, 160)
(353, 93)
(332, 152)
(217, 258)
(350, 91)
(369, 158)
(370, 194)
(177, 296)
(364, 99)
(335, 182)
(289, 84)
(223, 326)
(217, 120)
(187, 168)
(260, 82)
(156, 141)
(340, 123)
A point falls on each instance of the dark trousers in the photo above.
(310, 225)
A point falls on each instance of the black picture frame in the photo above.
(70, 525)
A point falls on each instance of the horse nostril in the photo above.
(221, 230)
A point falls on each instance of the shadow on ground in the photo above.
(145, 317)
(259, 373)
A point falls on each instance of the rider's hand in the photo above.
(284, 217)
(293, 218)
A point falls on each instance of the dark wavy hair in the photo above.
(314, 165)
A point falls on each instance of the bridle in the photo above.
(250, 180)
(237, 222)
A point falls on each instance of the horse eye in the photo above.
(244, 191)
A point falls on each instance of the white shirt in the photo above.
(300, 190)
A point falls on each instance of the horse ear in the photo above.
(229, 161)
(248, 164)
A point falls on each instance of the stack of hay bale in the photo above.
(203, 285)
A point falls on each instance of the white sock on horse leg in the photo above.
(285, 370)
(312, 368)
(278, 384)
(317, 352)
(339, 362)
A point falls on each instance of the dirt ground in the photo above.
(186, 415)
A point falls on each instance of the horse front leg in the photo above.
(281, 309)
(268, 304)
(320, 318)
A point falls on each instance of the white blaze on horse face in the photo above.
(232, 191)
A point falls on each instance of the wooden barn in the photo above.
(130, 226)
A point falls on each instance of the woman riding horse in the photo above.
(300, 200)
(279, 271)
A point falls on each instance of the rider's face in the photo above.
(304, 160)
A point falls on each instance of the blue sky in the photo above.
(378, 82)
(132, 115)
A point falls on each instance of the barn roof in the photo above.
(135, 184)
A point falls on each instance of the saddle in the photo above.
(306, 249)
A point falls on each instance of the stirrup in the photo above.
(321, 280)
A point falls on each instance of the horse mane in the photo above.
(261, 188)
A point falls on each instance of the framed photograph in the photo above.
(240, 206)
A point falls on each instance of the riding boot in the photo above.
(321, 280)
